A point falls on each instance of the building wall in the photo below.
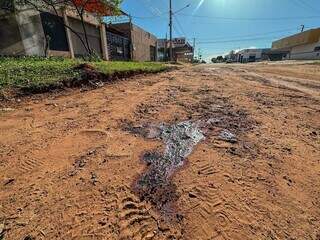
(305, 52)
(93, 34)
(143, 43)
(308, 37)
(11, 43)
(22, 34)
(301, 46)
(31, 32)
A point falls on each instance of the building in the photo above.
(29, 32)
(119, 45)
(232, 56)
(182, 51)
(301, 46)
(143, 43)
(252, 55)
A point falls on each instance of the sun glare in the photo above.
(198, 6)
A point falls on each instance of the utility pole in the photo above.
(194, 47)
(166, 49)
(130, 36)
(170, 25)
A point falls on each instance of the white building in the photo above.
(251, 55)
(301, 46)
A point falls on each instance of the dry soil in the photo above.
(204, 152)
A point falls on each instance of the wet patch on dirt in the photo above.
(155, 184)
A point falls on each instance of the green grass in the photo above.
(28, 72)
(34, 72)
(112, 67)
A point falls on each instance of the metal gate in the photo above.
(118, 47)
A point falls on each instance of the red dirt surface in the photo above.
(68, 164)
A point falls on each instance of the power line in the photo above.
(156, 12)
(250, 19)
(150, 17)
(180, 26)
(305, 5)
(239, 40)
(251, 35)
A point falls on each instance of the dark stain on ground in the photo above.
(155, 184)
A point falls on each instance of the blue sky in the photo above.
(222, 25)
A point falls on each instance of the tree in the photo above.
(220, 59)
(98, 7)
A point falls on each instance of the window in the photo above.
(55, 32)
(317, 49)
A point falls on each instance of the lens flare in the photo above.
(198, 6)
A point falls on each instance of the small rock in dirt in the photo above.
(28, 237)
(94, 178)
(102, 222)
(92, 152)
(2, 229)
(227, 136)
(8, 181)
(314, 133)
(52, 104)
(22, 224)
(191, 195)
(7, 109)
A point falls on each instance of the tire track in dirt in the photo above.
(29, 165)
(280, 81)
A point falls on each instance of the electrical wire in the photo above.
(180, 26)
(240, 40)
(249, 19)
(149, 17)
(305, 5)
(251, 35)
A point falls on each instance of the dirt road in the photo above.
(205, 152)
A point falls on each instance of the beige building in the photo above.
(29, 32)
(143, 43)
(301, 46)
